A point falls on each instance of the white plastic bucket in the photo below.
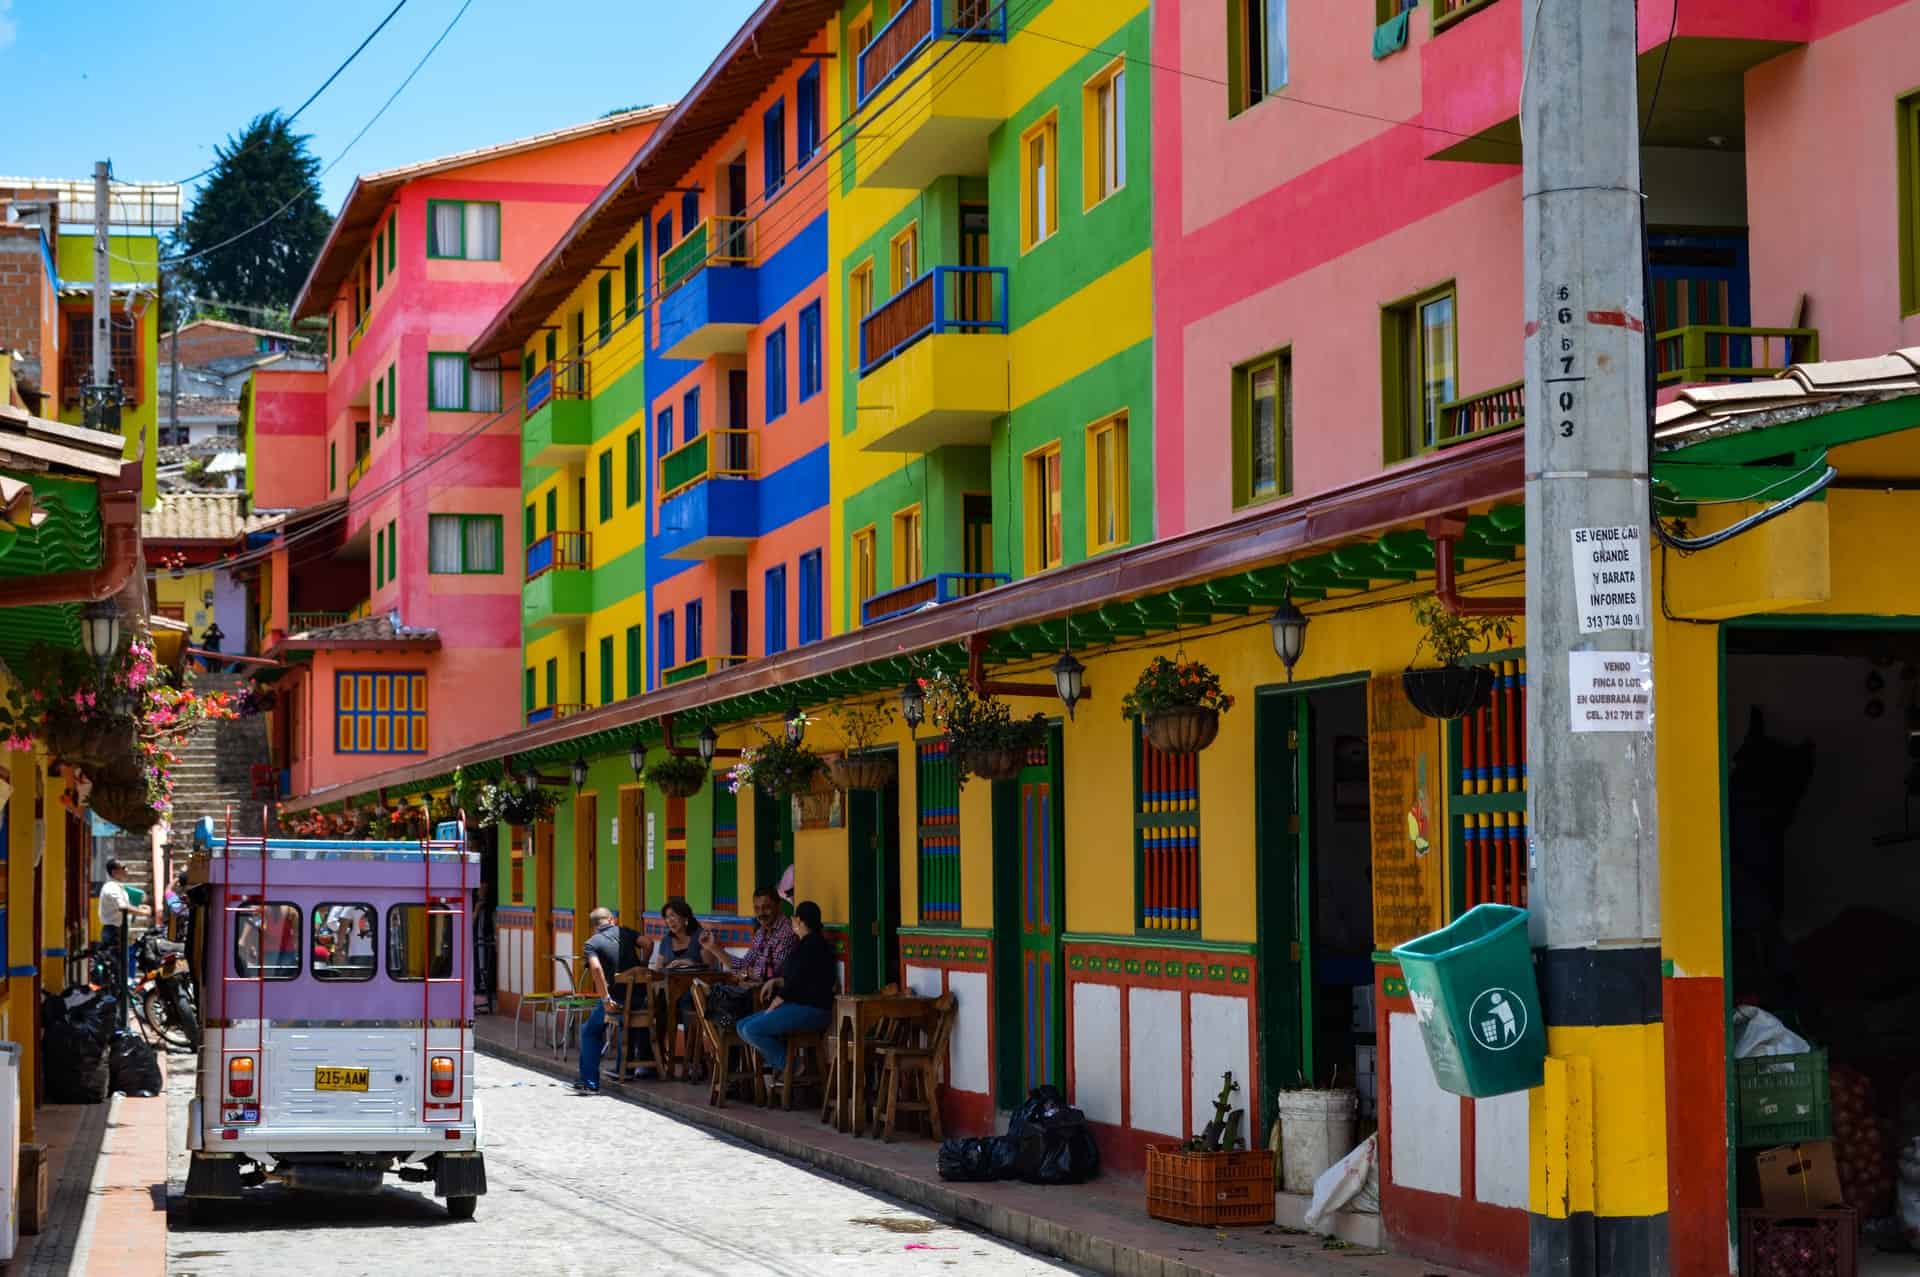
(1316, 1130)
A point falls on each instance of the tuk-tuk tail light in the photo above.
(240, 1077)
(440, 1074)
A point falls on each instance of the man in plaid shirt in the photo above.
(773, 940)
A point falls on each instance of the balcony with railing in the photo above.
(557, 424)
(1724, 352)
(301, 622)
(933, 362)
(558, 589)
(546, 713)
(359, 471)
(709, 291)
(930, 591)
(1487, 413)
(921, 130)
(709, 504)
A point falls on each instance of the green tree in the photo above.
(257, 223)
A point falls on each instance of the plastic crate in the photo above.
(1783, 1099)
(1210, 1189)
(1817, 1243)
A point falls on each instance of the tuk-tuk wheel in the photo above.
(462, 1207)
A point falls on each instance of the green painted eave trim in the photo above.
(1772, 435)
(949, 933)
(1145, 942)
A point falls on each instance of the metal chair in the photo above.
(571, 1008)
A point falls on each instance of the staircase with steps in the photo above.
(215, 770)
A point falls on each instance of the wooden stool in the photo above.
(633, 986)
(722, 1046)
(813, 1045)
(908, 1075)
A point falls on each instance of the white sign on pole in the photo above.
(1609, 582)
(1610, 691)
(613, 830)
(649, 842)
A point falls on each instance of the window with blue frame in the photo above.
(809, 351)
(663, 237)
(696, 630)
(812, 604)
(689, 211)
(663, 433)
(666, 642)
(806, 106)
(380, 712)
(776, 609)
(777, 373)
(690, 415)
(774, 147)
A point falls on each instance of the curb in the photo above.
(1022, 1228)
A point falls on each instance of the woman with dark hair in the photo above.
(800, 998)
(680, 947)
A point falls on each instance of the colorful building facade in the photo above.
(414, 446)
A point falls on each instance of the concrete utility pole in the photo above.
(1599, 1126)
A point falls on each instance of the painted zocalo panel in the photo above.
(1096, 1052)
(967, 1049)
(1501, 1151)
(1153, 1060)
(1425, 1119)
(925, 981)
(1221, 1043)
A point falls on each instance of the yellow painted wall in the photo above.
(189, 592)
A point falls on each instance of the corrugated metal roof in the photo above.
(370, 192)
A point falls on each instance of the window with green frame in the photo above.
(636, 465)
(333, 466)
(604, 304)
(636, 671)
(464, 230)
(379, 558)
(455, 385)
(526, 369)
(333, 350)
(526, 691)
(530, 524)
(1419, 370)
(630, 280)
(553, 680)
(393, 243)
(606, 484)
(606, 669)
(1166, 838)
(379, 260)
(1263, 428)
(464, 544)
(393, 550)
(1908, 130)
(393, 389)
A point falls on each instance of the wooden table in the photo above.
(669, 987)
(858, 1014)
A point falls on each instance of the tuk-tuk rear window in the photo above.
(343, 942)
(419, 944)
(266, 941)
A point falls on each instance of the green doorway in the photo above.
(873, 886)
(772, 841)
(1029, 916)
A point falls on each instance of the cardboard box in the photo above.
(1799, 1177)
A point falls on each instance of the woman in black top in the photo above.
(800, 997)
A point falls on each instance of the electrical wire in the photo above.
(310, 97)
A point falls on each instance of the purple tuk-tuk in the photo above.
(335, 984)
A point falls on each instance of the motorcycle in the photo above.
(163, 996)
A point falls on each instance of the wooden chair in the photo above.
(908, 1074)
(634, 989)
(723, 1047)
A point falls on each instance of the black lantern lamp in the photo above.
(709, 742)
(1069, 680)
(579, 773)
(913, 705)
(531, 779)
(637, 756)
(796, 725)
(1289, 626)
(100, 632)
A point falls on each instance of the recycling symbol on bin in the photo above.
(1498, 1019)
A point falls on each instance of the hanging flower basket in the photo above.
(1185, 729)
(994, 764)
(676, 775)
(779, 768)
(120, 797)
(864, 771)
(1449, 691)
(96, 741)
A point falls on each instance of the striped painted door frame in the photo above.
(1029, 918)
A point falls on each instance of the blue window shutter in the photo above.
(663, 439)
(776, 609)
(807, 104)
(666, 642)
(774, 147)
(696, 630)
(777, 373)
(689, 212)
(810, 597)
(810, 351)
(690, 416)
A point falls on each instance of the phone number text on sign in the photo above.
(1609, 583)
(1610, 691)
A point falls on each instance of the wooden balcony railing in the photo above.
(359, 470)
(353, 338)
(1448, 12)
(680, 673)
(1720, 352)
(718, 241)
(560, 552)
(301, 622)
(928, 591)
(1487, 413)
(916, 24)
(566, 709)
(945, 299)
(713, 454)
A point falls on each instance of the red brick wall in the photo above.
(23, 285)
(204, 344)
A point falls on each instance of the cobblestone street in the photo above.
(581, 1185)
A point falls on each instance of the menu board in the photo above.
(1409, 835)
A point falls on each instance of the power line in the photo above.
(310, 97)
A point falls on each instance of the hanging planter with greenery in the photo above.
(120, 796)
(509, 803)
(778, 767)
(1452, 689)
(677, 775)
(1179, 702)
(861, 767)
(983, 736)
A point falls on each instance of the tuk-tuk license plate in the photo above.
(337, 1079)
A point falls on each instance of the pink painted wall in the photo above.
(290, 446)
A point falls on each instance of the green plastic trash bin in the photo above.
(1477, 1002)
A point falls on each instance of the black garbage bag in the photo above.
(966, 1160)
(90, 1013)
(76, 1064)
(1052, 1142)
(1071, 1156)
(133, 1067)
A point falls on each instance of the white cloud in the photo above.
(7, 28)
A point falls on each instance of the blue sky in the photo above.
(106, 78)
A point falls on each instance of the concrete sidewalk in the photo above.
(1102, 1225)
